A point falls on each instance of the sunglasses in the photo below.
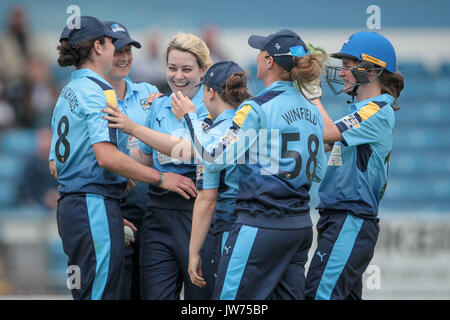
(298, 52)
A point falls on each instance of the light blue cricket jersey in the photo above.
(276, 139)
(208, 133)
(356, 176)
(163, 120)
(136, 107)
(77, 124)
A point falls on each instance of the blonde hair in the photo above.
(190, 43)
(306, 70)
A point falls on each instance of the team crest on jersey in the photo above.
(350, 121)
(144, 104)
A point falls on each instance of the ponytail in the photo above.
(76, 54)
(235, 90)
(392, 84)
(307, 70)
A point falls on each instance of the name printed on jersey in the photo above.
(69, 94)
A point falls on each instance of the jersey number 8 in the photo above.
(62, 139)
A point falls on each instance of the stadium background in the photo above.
(413, 252)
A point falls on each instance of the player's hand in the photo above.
(50, 198)
(132, 226)
(119, 119)
(52, 168)
(313, 90)
(130, 185)
(195, 270)
(181, 105)
(179, 184)
(153, 96)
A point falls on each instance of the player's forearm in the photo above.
(201, 221)
(331, 132)
(141, 157)
(110, 158)
(172, 146)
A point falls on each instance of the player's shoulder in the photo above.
(88, 87)
(376, 109)
(160, 103)
(144, 87)
(248, 111)
(265, 97)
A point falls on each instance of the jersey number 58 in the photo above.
(285, 153)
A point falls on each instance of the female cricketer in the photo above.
(225, 88)
(91, 164)
(357, 171)
(166, 227)
(276, 141)
(132, 99)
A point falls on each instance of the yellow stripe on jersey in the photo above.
(241, 114)
(111, 97)
(367, 111)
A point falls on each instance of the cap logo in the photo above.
(277, 45)
(116, 28)
(212, 74)
(346, 41)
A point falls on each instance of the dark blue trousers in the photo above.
(91, 229)
(133, 209)
(165, 236)
(132, 281)
(260, 263)
(345, 246)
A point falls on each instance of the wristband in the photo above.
(160, 181)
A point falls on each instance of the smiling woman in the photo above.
(91, 164)
(183, 72)
(131, 99)
(166, 226)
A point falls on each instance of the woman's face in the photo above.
(208, 100)
(261, 61)
(347, 75)
(107, 54)
(122, 62)
(183, 72)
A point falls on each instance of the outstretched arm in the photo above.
(109, 157)
(331, 132)
(172, 146)
(204, 207)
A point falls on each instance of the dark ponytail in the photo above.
(235, 90)
(76, 54)
(392, 84)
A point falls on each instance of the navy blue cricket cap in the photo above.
(90, 28)
(218, 73)
(279, 45)
(126, 40)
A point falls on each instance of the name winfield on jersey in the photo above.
(300, 113)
